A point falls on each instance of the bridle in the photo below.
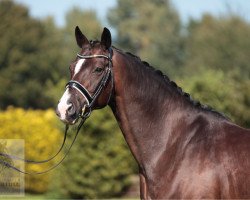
(91, 99)
(85, 113)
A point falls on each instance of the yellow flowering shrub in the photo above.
(42, 140)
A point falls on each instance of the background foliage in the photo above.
(219, 44)
(38, 133)
(150, 29)
(217, 88)
(208, 57)
(29, 57)
(99, 165)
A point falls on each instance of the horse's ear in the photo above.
(81, 40)
(106, 38)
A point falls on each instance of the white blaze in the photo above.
(63, 104)
(79, 65)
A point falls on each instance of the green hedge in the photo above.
(42, 139)
(100, 163)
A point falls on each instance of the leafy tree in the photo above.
(222, 92)
(218, 43)
(89, 24)
(29, 58)
(151, 30)
(34, 67)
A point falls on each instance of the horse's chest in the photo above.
(187, 182)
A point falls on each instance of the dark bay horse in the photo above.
(183, 149)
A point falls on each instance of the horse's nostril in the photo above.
(70, 106)
(71, 109)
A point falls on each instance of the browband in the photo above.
(94, 56)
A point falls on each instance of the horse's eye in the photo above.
(98, 69)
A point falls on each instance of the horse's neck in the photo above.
(144, 108)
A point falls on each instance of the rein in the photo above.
(39, 162)
(90, 99)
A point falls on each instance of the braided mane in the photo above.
(195, 103)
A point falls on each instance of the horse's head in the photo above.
(91, 81)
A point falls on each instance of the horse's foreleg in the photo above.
(143, 187)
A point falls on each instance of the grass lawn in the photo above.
(27, 196)
(42, 197)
